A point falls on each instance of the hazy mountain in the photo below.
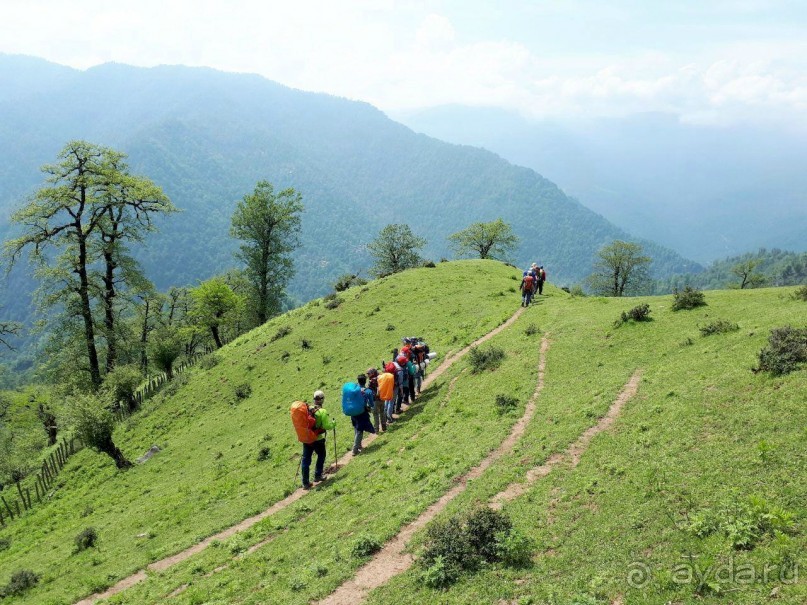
(706, 192)
(206, 137)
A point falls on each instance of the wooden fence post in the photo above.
(2, 521)
(22, 496)
(28, 495)
(17, 506)
(8, 508)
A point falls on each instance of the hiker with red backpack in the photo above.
(541, 279)
(527, 282)
(311, 424)
(357, 401)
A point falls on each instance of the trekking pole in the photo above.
(335, 451)
(297, 472)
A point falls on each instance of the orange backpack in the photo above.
(301, 419)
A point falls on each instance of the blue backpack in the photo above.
(352, 399)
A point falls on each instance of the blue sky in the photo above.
(713, 62)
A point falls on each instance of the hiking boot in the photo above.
(307, 486)
(319, 479)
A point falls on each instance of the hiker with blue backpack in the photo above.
(357, 401)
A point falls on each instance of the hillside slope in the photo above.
(702, 432)
(207, 137)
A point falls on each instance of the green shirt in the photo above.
(324, 421)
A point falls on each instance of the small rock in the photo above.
(152, 450)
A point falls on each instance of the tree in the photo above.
(88, 208)
(269, 226)
(9, 328)
(214, 303)
(489, 240)
(620, 269)
(746, 272)
(120, 386)
(165, 347)
(93, 423)
(395, 249)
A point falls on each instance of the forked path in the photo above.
(278, 506)
(393, 558)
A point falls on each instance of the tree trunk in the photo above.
(144, 336)
(113, 452)
(216, 338)
(109, 311)
(86, 314)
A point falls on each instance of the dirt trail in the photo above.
(163, 564)
(575, 451)
(393, 560)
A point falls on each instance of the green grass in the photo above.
(207, 476)
(703, 433)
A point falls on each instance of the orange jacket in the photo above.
(386, 386)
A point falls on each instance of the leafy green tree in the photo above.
(165, 347)
(269, 225)
(621, 268)
(488, 240)
(92, 421)
(214, 304)
(395, 249)
(88, 209)
(120, 385)
(746, 272)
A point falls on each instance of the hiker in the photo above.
(411, 372)
(386, 391)
(402, 381)
(526, 289)
(361, 422)
(318, 423)
(534, 273)
(541, 279)
(379, 418)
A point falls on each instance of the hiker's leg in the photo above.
(356, 440)
(388, 407)
(319, 448)
(305, 464)
(376, 416)
(380, 416)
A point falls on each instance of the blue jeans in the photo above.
(308, 451)
(389, 408)
(527, 298)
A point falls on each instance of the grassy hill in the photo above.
(703, 435)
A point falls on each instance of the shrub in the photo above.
(208, 362)
(93, 423)
(429, 264)
(463, 543)
(390, 328)
(348, 280)
(640, 313)
(485, 359)
(21, 580)
(577, 291)
(365, 546)
(305, 344)
(719, 326)
(243, 391)
(264, 453)
(786, 351)
(281, 332)
(5, 544)
(332, 301)
(801, 293)
(86, 539)
(744, 523)
(531, 330)
(688, 298)
(120, 385)
(506, 403)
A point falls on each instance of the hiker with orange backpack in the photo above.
(386, 390)
(379, 417)
(311, 424)
(527, 283)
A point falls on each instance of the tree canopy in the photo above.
(396, 248)
(494, 240)
(620, 269)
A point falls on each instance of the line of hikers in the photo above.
(381, 393)
(532, 281)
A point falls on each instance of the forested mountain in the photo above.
(705, 191)
(207, 137)
(768, 268)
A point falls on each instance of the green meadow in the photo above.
(705, 470)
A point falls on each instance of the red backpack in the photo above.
(303, 422)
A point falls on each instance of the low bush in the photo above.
(208, 362)
(5, 544)
(463, 543)
(264, 453)
(719, 326)
(577, 291)
(786, 351)
(86, 539)
(640, 313)
(485, 359)
(531, 330)
(801, 293)
(243, 391)
(365, 546)
(429, 264)
(348, 280)
(21, 580)
(305, 344)
(688, 298)
(743, 523)
(281, 332)
(332, 301)
(506, 403)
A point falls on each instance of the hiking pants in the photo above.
(379, 416)
(389, 408)
(358, 436)
(527, 298)
(418, 381)
(411, 388)
(308, 451)
(540, 286)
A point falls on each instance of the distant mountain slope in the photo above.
(706, 191)
(208, 136)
